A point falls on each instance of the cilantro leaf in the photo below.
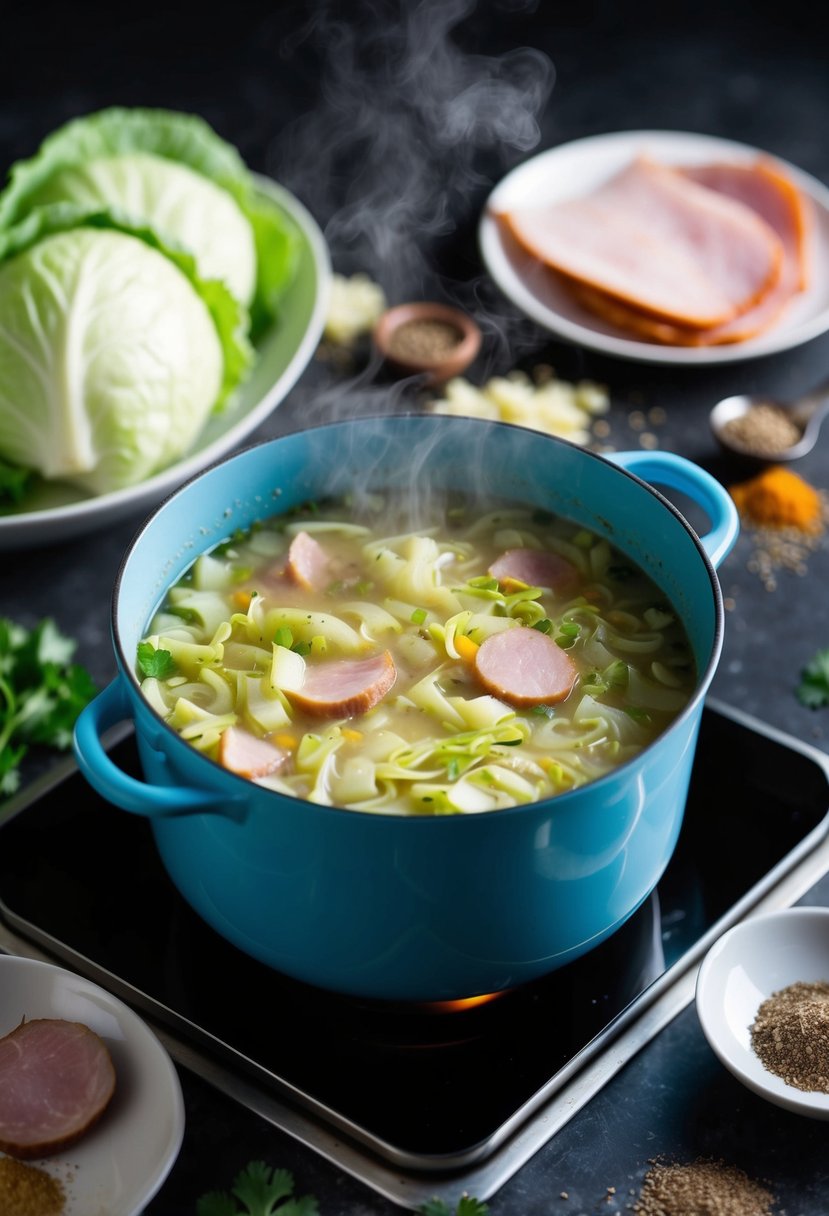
(41, 693)
(813, 689)
(159, 664)
(466, 1207)
(261, 1189)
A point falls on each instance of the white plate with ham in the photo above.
(663, 247)
(88, 1094)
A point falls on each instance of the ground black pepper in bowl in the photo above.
(433, 339)
(419, 340)
(790, 1035)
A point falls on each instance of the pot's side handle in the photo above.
(104, 711)
(666, 468)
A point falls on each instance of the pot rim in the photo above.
(563, 800)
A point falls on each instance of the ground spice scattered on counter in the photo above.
(702, 1187)
(26, 1190)
(786, 519)
(790, 1035)
(779, 498)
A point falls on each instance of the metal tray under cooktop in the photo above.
(401, 1096)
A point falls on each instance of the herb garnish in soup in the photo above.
(482, 661)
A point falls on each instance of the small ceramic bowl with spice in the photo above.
(762, 998)
(427, 338)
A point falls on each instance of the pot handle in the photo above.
(153, 801)
(666, 468)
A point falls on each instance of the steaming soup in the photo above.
(478, 662)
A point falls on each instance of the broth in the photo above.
(478, 661)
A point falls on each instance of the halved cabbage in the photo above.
(175, 174)
(113, 352)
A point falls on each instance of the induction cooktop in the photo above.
(404, 1096)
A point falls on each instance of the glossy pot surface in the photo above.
(390, 907)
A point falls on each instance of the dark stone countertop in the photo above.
(310, 102)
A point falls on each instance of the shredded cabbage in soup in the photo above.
(249, 629)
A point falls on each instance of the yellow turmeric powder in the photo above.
(779, 498)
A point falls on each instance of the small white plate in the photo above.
(121, 1162)
(55, 512)
(574, 169)
(750, 962)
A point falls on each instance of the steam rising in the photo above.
(395, 161)
(409, 136)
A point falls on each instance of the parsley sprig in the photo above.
(265, 1191)
(813, 689)
(41, 693)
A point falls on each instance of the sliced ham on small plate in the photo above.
(124, 1140)
(790, 310)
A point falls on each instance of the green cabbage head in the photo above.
(113, 353)
(173, 173)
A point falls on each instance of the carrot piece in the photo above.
(465, 647)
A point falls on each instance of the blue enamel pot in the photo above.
(390, 907)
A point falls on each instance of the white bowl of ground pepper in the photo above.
(762, 998)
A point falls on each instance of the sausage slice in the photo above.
(343, 688)
(56, 1080)
(536, 568)
(525, 667)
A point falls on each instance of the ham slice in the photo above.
(525, 667)
(764, 188)
(343, 688)
(308, 563)
(245, 754)
(56, 1080)
(654, 240)
(536, 568)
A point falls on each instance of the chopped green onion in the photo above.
(543, 711)
(188, 615)
(545, 625)
(284, 637)
(418, 616)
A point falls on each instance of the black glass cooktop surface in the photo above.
(83, 879)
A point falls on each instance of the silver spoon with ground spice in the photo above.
(759, 428)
